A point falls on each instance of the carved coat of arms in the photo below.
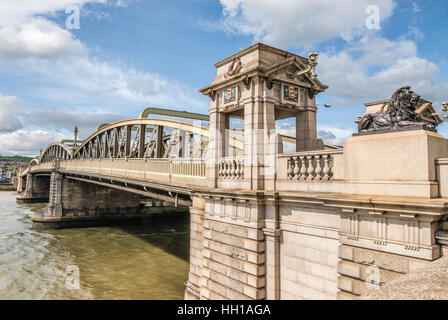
(291, 93)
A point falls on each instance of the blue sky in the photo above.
(129, 54)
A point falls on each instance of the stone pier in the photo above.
(36, 188)
(73, 203)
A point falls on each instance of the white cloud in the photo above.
(85, 78)
(370, 67)
(329, 134)
(59, 120)
(375, 68)
(298, 23)
(18, 11)
(9, 109)
(26, 143)
(333, 136)
(37, 38)
(415, 8)
(415, 33)
(24, 32)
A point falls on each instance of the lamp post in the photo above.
(312, 63)
(444, 111)
(75, 145)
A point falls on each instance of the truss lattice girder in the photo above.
(56, 150)
(179, 125)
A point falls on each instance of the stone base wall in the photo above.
(275, 246)
(308, 252)
(361, 270)
(232, 259)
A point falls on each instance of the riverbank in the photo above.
(7, 187)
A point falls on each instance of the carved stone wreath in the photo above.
(234, 69)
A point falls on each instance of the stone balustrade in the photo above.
(231, 168)
(170, 171)
(188, 167)
(311, 165)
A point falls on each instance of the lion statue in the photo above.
(399, 114)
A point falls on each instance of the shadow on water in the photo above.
(169, 232)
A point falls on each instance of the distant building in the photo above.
(5, 175)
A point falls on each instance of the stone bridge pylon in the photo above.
(321, 222)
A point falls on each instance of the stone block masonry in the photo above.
(74, 203)
(37, 188)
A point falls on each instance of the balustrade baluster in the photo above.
(233, 172)
(326, 170)
(310, 170)
(297, 168)
(303, 170)
(290, 170)
(318, 168)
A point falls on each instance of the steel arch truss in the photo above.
(34, 162)
(145, 138)
(56, 151)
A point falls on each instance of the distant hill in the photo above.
(15, 158)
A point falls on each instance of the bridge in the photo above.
(321, 222)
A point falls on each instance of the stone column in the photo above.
(194, 282)
(55, 199)
(216, 147)
(29, 184)
(306, 131)
(259, 124)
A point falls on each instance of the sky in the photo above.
(125, 55)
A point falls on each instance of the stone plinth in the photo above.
(395, 163)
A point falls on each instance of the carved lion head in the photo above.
(403, 104)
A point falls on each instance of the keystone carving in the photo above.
(234, 68)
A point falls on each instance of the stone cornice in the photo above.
(400, 208)
(256, 46)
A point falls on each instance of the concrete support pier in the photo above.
(37, 188)
(73, 203)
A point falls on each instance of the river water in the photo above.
(140, 261)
